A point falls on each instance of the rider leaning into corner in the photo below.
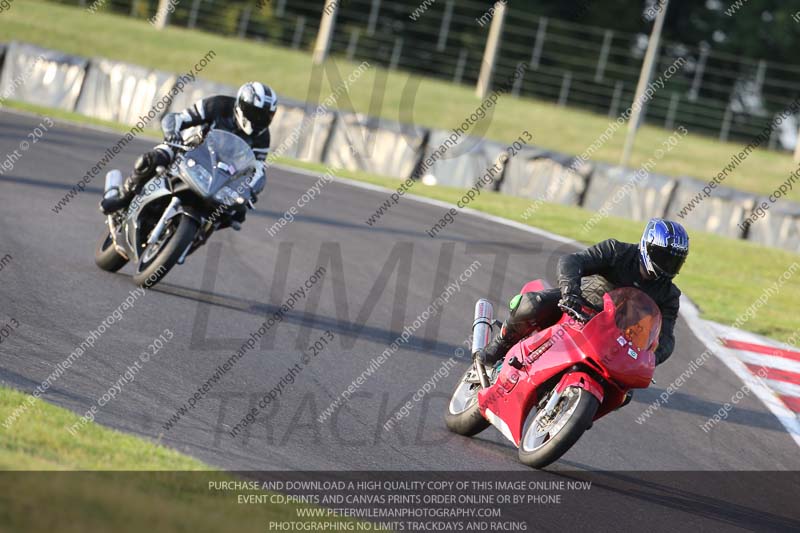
(248, 115)
(651, 266)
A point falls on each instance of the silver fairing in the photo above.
(154, 190)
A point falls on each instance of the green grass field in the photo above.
(437, 104)
(723, 276)
(172, 494)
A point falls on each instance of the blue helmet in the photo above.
(663, 248)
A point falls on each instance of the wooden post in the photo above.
(492, 49)
(323, 44)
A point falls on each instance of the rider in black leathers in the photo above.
(650, 266)
(248, 115)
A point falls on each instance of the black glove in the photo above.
(173, 137)
(573, 305)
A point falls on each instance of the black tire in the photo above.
(150, 273)
(552, 450)
(467, 422)
(106, 256)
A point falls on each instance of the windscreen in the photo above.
(637, 316)
(229, 153)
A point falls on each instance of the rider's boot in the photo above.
(497, 348)
(144, 169)
(121, 201)
(530, 312)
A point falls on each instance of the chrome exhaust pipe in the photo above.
(113, 185)
(482, 325)
(481, 335)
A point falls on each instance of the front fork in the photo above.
(172, 209)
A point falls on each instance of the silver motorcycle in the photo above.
(177, 210)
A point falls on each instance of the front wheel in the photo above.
(106, 256)
(463, 414)
(158, 258)
(546, 438)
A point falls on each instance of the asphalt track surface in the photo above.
(378, 280)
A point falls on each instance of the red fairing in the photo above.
(582, 380)
(611, 354)
(537, 285)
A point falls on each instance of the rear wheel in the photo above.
(106, 256)
(546, 438)
(158, 258)
(463, 415)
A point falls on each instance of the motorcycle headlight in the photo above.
(202, 176)
(228, 196)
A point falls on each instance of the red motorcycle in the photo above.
(553, 385)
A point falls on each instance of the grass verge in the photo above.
(723, 276)
(436, 104)
(171, 495)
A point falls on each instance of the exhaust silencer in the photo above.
(113, 188)
(482, 326)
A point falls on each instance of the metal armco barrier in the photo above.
(541, 174)
(460, 165)
(40, 76)
(359, 142)
(720, 212)
(301, 131)
(124, 93)
(777, 225)
(628, 193)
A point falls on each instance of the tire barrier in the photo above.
(382, 147)
(778, 225)
(40, 76)
(547, 176)
(628, 193)
(460, 165)
(720, 212)
(125, 93)
(120, 92)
